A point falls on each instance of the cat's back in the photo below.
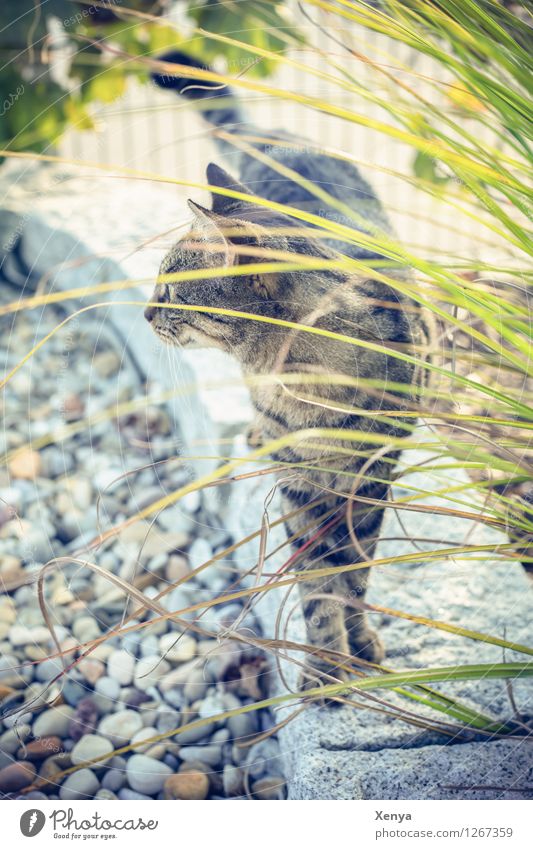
(341, 195)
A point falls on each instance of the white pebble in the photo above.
(12, 739)
(53, 722)
(149, 671)
(85, 628)
(177, 648)
(121, 666)
(120, 727)
(144, 734)
(106, 694)
(90, 746)
(146, 775)
(199, 553)
(191, 501)
(80, 785)
(19, 635)
(105, 479)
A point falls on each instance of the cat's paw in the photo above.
(367, 646)
(313, 676)
(254, 436)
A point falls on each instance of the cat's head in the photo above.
(230, 236)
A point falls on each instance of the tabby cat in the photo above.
(334, 490)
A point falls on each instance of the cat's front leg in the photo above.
(335, 624)
(254, 435)
(363, 641)
(325, 633)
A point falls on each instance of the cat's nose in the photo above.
(149, 313)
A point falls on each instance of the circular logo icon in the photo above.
(32, 822)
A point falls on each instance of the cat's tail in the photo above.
(218, 104)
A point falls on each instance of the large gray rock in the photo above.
(347, 753)
(500, 769)
(53, 240)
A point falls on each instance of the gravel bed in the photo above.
(54, 498)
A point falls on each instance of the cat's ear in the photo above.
(210, 230)
(220, 179)
(213, 228)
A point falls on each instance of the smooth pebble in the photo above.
(82, 784)
(90, 746)
(189, 784)
(149, 671)
(120, 727)
(53, 722)
(121, 666)
(146, 775)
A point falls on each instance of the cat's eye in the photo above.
(162, 293)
